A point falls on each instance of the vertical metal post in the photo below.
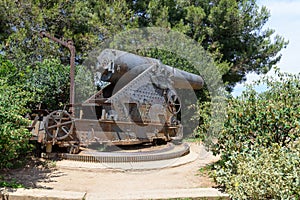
(70, 45)
(72, 75)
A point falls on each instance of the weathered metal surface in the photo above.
(59, 125)
(116, 157)
(138, 105)
(145, 94)
(70, 45)
(113, 64)
(123, 133)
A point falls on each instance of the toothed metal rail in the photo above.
(169, 152)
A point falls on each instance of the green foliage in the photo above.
(51, 82)
(88, 23)
(232, 31)
(263, 119)
(259, 140)
(8, 70)
(84, 84)
(14, 136)
(48, 81)
(168, 58)
(262, 173)
(212, 116)
(11, 184)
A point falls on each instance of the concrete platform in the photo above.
(42, 194)
(197, 193)
(196, 152)
(174, 179)
(39, 194)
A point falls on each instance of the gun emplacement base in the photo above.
(127, 155)
(167, 152)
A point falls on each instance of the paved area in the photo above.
(178, 178)
(38, 194)
(204, 193)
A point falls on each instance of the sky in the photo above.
(285, 20)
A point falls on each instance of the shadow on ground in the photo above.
(36, 171)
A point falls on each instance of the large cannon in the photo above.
(137, 104)
(114, 64)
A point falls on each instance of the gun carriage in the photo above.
(138, 104)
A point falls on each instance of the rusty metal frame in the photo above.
(70, 45)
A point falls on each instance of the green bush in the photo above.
(263, 173)
(256, 140)
(14, 137)
(261, 119)
(14, 98)
(84, 84)
(51, 81)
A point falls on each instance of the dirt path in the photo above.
(120, 182)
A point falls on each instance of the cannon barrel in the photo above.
(113, 64)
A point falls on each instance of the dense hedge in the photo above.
(262, 173)
(50, 80)
(14, 137)
(257, 141)
(47, 84)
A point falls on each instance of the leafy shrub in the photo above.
(260, 119)
(14, 137)
(256, 140)
(262, 173)
(11, 184)
(85, 85)
(8, 71)
(51, 81)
